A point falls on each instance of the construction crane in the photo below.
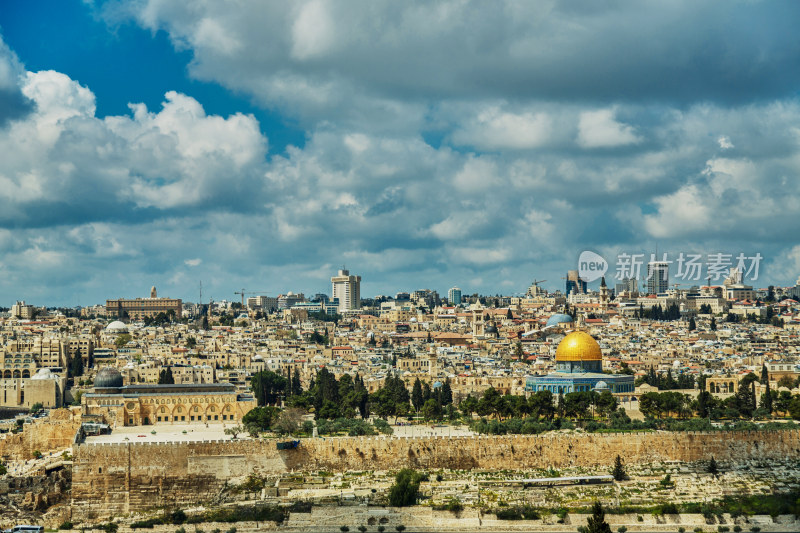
(243, 292)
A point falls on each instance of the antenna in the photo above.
(201, 292)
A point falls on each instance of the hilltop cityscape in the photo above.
(289, 371)
(382, 266)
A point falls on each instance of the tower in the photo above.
(153, 293)
(454, 296)
(657, 277)
(603, 295)
(347, 289)
(575, 283)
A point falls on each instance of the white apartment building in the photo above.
(347, 289)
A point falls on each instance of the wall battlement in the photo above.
(112, 479)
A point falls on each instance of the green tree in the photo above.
(76, 366)
(619, 470)
(122, 340)
(165, 377)
(431, 410)
(416, 395)
(712, 466)
(260, 417)
(713, 324)
(692, 324)
(597, 522)
(268, 387)
(405, 490)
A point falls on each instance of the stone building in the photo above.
(579, 368)
(44, 387)
(141, 405)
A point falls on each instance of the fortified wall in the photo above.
(113, 479)
(43, 435)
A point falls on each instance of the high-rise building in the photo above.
(347, 289)
(657, 277)
(454, 296)
(575, 283)
(626, 285)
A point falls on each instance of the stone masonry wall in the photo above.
(44, 435)
(115, 479)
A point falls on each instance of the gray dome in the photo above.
(558, 318)
(108, 378)
(601, 385)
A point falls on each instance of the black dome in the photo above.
(108, 378)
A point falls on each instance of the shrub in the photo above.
(755, 529)
(639, 518)
(177, 517)
(180, 530)
(525, 512)
(681, 530)
(65, 525)
(231, 530)
(723, 529)
(622, 529)
(362, 528)
(37, 454)
(400, 528)
(147, 523)
(669, 508)
(344, 529)
(405, 489)
(698, 530)
(381, 529)
(737, 529)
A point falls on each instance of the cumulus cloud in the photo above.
(446, 143)
(599, 129)
(366, 60)
(13, 103)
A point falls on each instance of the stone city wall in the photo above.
(45, 435)
(114, 479)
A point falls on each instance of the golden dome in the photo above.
(578, 346)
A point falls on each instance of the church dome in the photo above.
(578, 346)
(108, 378)
(117, 327)
(558, 318)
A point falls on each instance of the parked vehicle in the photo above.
(25, 529)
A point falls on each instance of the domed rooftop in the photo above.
(44, 373)
(117, 327)
(578, 346)
(490, 329)
(558, 318)
(108, 378)
(601, 385)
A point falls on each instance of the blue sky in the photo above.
(264, 144)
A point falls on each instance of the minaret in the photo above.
(153, 293)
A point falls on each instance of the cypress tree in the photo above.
(619, 470)
(597, 522)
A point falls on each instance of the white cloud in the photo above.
(193, 262)
(599, 129)
(493, 129)
(680, 213)
(724, 142)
